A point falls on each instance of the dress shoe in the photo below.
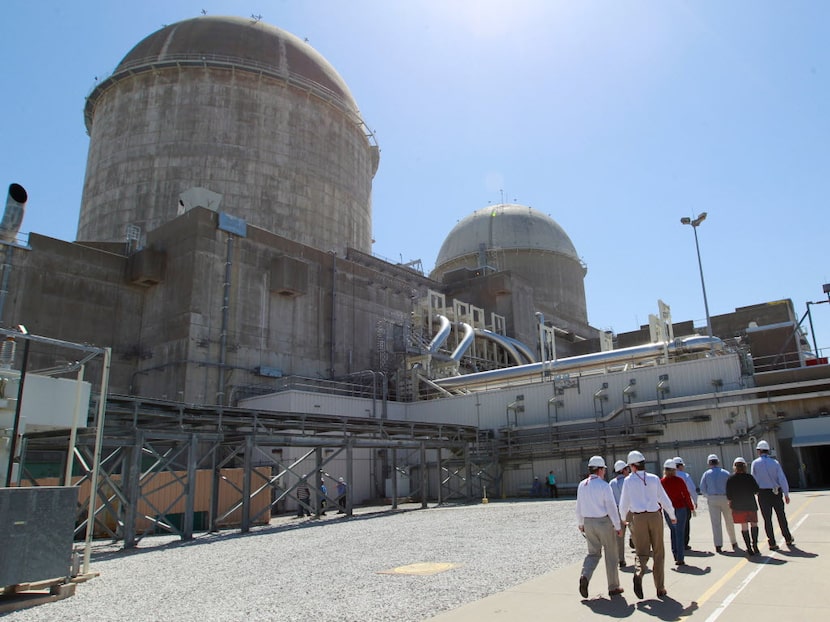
(719, 549)
(622, 564)
(773, 547)
(681, 563)
(631, 543)
(734, 547)
(583, 586)
(638, 586)
(616, 591)
(688, 548)
(790, 542)
(661, 593)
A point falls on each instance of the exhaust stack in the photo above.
(13, 216)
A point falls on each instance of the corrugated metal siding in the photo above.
(491, 409)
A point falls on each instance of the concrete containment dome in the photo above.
(507, 226)
(528, 244)
(238, 107)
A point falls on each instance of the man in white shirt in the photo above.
(644, 496)
(599, 521)
(690, 484)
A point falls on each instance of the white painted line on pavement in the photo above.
(728, 600)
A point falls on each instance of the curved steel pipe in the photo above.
(441, 335)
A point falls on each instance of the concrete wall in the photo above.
(165, 326)
(283, 160)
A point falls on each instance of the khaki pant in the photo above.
(621, 539)
(719, 508)
(600, 534)
(647, 531)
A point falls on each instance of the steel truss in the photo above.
(153, 453)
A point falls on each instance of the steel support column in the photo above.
(190, 495)
(424, 475)
(246, 483)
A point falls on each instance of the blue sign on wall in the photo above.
(232, 224)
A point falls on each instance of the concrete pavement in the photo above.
(784, 585)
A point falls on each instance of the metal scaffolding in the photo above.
(148, 446)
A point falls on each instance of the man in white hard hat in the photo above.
(342, 488)
(713, 487)
(773, 494)
(643, 495)
(680, 471)
(621, 471)
(599, 521)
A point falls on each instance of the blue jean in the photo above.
(678, 533)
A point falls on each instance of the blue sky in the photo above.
(616, 118)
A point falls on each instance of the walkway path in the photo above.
(790, 584)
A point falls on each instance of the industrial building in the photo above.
(223, 254)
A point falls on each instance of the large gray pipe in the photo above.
(466, 340)
(441, 335)
(13, 216)
(507, 344)
(696, 343)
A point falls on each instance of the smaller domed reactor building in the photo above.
(521, 264)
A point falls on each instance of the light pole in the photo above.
(695, 223)
(826, 288)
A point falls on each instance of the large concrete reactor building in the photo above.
(242, 109)
(546, 275)
(224, 240)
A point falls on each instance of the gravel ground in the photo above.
(328, 569)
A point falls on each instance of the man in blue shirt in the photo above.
(773, 484)
(621, 471)
(713, 487)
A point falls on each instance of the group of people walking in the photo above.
(641, 501)
(303, 493)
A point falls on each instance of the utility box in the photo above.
(36, 533)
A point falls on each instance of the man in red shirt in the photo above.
(682, 503)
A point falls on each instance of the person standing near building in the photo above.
(682, 503)
(551, 482)
(342, 488)
(644, 496)
(773, 494)
(713, 487)
(303, 498)
(621, 471)
(323, 494)
(741, 489)
(598, 519)
(690, 486)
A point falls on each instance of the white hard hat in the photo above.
(739, 460)
(596, 461)
(670, 464)
(635, 456)
(762, 445)
(713, 458)
(619, 465)
(678, 460)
